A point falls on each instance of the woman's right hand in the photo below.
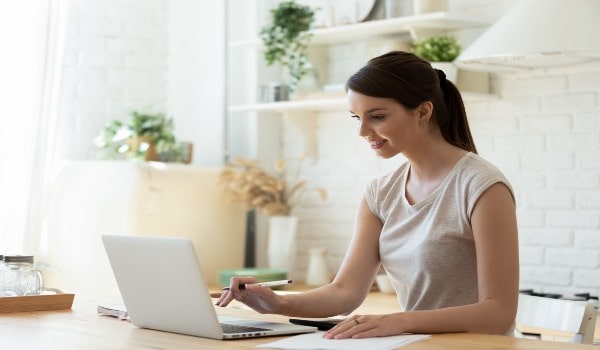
(261, 299)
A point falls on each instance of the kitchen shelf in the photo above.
(324, 104)
(316, 104)
(438, 21)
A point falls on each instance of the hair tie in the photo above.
(441, 76)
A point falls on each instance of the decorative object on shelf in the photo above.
(318, 272)
(308, 85)
(286, 39)
(427, 6)
(146, 136)
(261, 274)
(281, 245)
(387, 9)
(273, 92)
(250, 239)
(340, 12)
(440, 50)
(398, 8)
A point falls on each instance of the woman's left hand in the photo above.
(363, 326)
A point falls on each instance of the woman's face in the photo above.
(389, 127)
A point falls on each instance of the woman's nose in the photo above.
(362, 129)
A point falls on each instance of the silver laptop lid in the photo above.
(163, 288)
(161, 284)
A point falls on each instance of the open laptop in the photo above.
(163, 288)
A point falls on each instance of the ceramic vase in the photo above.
(427, 6)
(281, 246)
(448, 68)
(317, 273)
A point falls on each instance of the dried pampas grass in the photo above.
(246, 182)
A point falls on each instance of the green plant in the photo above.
(442, 48)
(144, 136)
(286, 39)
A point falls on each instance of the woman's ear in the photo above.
(425, 111)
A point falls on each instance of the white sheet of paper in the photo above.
(316, 341)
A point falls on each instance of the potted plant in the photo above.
(286, 39)
(441, 51)
(145, 136)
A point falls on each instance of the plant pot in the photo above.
(281, 247)
(428, 6)
(136, 142)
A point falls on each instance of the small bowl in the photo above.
(384, 284)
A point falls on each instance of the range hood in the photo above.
(538, 34)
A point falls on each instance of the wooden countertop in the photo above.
(82, 328)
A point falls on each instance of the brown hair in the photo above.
(410, 81)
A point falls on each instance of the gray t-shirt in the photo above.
(428, 248)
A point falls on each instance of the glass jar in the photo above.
(20, 277)
(1, 275)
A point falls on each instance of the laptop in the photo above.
(163, 288)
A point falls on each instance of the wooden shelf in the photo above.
(370, 29)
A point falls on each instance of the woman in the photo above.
(443, 224)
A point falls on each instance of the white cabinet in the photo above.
(93, 198)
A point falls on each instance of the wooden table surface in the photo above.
(82, 328)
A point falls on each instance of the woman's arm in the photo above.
(495, 232)
(347, 291)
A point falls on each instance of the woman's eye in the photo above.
(377, 117)
(354, 116)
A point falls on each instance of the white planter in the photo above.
(427, 6)
(448, 68)
(317, 273)
(281, 246)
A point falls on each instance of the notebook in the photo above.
(163, 288)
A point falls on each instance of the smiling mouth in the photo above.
(376, 144)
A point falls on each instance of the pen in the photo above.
(264, 284)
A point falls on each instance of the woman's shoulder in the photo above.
(477, 174)
(474, 163)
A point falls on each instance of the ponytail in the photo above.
(455, 129)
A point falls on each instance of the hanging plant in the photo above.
(286, 39)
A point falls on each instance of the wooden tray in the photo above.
(59, 301)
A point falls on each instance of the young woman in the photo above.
(443, 225)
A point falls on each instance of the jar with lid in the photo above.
(1, 275)
(20, 277)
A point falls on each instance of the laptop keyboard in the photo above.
(235, 328)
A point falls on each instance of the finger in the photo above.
(341, 328)
(225, 299)
(215, 294)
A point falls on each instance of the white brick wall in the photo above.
(115, 63)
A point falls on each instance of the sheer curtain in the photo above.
(32, 36)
